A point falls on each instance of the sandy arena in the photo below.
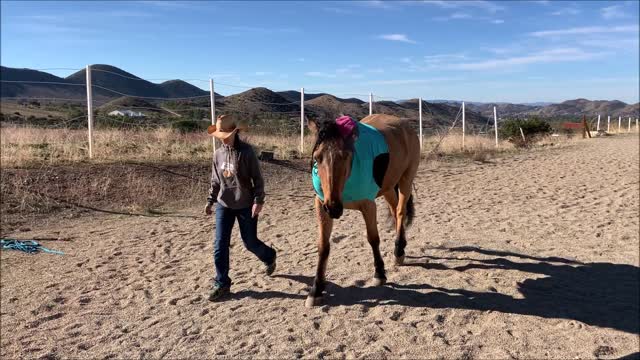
(528, 256)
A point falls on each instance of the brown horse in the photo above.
(333, 154)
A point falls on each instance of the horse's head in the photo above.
(332, 154)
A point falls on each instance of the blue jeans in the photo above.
(225, 218)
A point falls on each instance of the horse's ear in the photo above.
(312, 124)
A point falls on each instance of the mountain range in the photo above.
(111, 83)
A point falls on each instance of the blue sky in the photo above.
(465, 50)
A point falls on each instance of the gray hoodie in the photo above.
(243, 186)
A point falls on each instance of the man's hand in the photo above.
(255, 211)
(207, 209)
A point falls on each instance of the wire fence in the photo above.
(267, 112)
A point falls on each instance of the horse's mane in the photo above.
(328, 131)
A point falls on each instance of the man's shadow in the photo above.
(598, 294)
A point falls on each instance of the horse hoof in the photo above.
(400, 260)
(379, 282)
(312, 301)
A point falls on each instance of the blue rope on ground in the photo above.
(28, 246)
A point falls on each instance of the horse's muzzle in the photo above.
(335, 211)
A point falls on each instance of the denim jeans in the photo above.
(225, 218)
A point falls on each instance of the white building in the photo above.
(128, 113)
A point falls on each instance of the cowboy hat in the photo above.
(226, 126)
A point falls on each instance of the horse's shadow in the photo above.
(599, 294)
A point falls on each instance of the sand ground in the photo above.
(531, 256)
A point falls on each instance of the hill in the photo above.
(293, 95)
(441, 114)
(503, 109)
(261, 102)
(331, 107)
(632, 110)
(103, 76)
(258, 100)
(179, 88)
(58, 87)
(579, 107)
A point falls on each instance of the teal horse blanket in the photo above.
(361, 184)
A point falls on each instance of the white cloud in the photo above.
(546, 56)
(397, 37)
(337, 10)
(440, 3)
(453, 16)
(479, 4)
(376, 71)
(222, 75)
(320, 74)
(622, 44)
(410, 81)
(377, 4)
(263, 73)
(438, 58)
(460, 15)
(613, 12)
(343, 72)
(566, 11)
(168, 4)
(497, 21)
(263, 30)
(429, 62)
(511, 48)
(586, 30)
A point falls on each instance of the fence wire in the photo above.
(193, 113)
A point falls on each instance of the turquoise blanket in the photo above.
(360, 185)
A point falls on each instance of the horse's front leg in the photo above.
(325, 225)
(368, 209)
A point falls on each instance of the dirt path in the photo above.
(534, 256)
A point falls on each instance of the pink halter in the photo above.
(346, 125)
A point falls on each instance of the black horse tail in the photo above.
(411, 209)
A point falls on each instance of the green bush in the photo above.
(533, 129)
(186, 126)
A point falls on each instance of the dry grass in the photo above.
(30, 146)
(477, 148)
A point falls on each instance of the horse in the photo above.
(393, 173)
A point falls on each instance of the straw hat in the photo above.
(225, 127)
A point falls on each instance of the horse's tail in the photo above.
(411, 209)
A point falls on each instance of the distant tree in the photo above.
(532, 129)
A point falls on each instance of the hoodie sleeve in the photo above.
(214, 189)
(256, 177)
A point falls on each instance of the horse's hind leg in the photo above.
(368, 209)
(404, 193)
(325, 224)
(392, 200)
